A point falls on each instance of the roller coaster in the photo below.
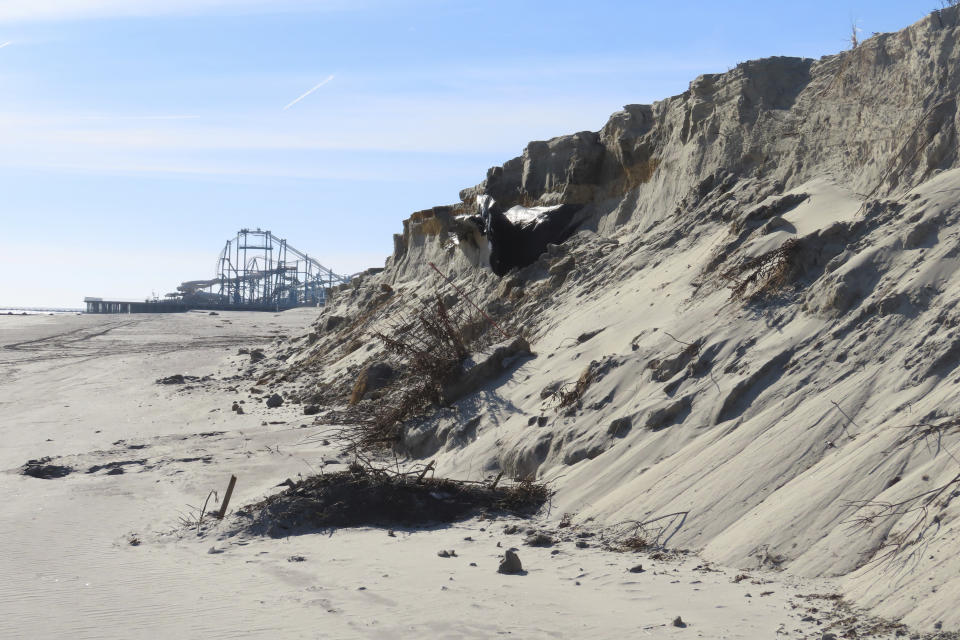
(257, 270)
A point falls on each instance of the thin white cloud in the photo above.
(325, 81)
(48, 10)
(413, 125)
(5, 44)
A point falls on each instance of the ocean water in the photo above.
(31, 311)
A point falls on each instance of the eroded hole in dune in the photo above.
(519, 235)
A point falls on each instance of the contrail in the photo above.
(172, 117)
(326, 80)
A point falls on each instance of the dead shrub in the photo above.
(571, 397)
(368, 495)
(432, 348)
(519, 495)
(429, 347)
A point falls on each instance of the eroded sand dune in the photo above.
(758, 299)
(744, 314)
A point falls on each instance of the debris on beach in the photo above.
(511, 563)
(181, 378)
(43, 470)
(363, 497)
(539, 539)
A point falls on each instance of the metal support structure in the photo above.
(259, 270)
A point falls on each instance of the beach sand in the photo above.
(102, 553)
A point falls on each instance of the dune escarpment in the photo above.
(756, 286)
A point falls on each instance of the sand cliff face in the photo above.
(763, 293)
(888, 107)
(880, 118)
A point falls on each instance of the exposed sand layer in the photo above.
(82, 391)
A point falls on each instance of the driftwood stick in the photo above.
(425, 471)
(226, 498)
(840, 409)
(496, 480)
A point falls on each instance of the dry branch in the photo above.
(920, 529)
(653, 533)
(925, 523)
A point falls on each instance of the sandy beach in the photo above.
(103, 554)
(697, 369)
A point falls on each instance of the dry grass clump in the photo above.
(634, 543)
(767, 275)
(929, 431)
(570, 396)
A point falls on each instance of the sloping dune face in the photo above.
(756, 284)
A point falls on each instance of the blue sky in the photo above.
(137, 136)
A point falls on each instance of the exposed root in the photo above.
(909, 542)
(922, 508)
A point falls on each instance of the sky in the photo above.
(137, 136)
